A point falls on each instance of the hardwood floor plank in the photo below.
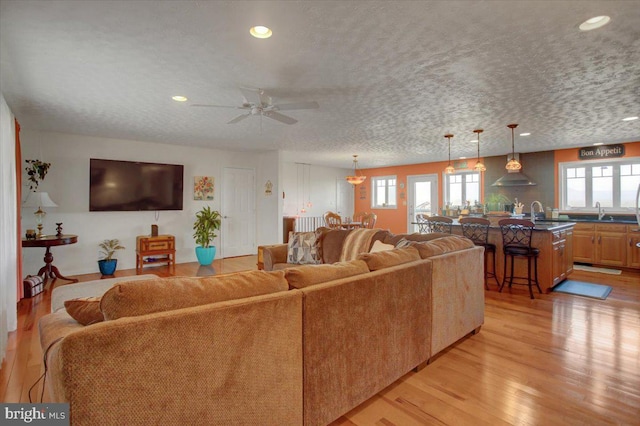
(555, 360)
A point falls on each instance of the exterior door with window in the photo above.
(238, 212)
(422, 197)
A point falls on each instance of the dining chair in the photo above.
(333, 220)
(369, 220)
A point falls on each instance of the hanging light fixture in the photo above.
(449, 169)
(356, 179)
(479, 167)
(513, 164)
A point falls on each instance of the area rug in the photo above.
(579, 288)
(594, 269)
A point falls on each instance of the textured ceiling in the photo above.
(391, 77)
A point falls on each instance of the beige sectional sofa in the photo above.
(299, 346)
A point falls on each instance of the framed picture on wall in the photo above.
(203, 187)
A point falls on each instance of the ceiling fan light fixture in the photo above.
(355, 179)
(594, 23)
(513, 164)
(260, 31)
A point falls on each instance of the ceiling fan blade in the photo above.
(280, 117)
(217, 106)
(239, 118)
(252, 96)
(297, 105)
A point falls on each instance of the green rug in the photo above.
(579, 288)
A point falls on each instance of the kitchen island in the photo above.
(555, 262)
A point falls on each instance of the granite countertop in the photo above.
(540, 225)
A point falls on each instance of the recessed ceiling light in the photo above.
(474, 141)
(179, 98)
(598, 143)
(463, 158)
(525, 134)
(260, 31)
(629, 118)
(594, 23)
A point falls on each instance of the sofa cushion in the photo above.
(441, 245)
(85, 310)
(304, 276)
(330, 242)
(380, 246)
(302, 248)
(394, 239)
(166, 294)
(386, 259)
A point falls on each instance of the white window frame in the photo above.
(374, 193)
(445, 182)
(587, 164)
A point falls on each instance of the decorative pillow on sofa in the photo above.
(380, 246)
(165, 294)
(304, 276)
(386, 259)
(85, 310)
(302, 249)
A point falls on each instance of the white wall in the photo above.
(68, 185)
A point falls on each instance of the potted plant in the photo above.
(36, 171)
(207, 222)
(107, 263)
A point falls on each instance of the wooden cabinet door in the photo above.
(633, 251)
(558, 263)
(568, 253)
(611, 248)
(584, 249)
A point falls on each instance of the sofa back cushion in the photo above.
(394, 239)
(386, 259)
(330, 243)
(446, 244)
(165, 294)
(304, 276)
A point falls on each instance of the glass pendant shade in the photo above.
(449, 169)
(355, 179)
(513, 164)
(479, 167)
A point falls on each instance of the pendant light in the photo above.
(513, 164)
(449, 169)
(479, 167)
(356, 179)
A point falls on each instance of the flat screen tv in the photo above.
(134, 186)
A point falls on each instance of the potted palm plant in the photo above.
(207, 222)
(107, 263)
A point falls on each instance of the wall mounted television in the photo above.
(134, 186)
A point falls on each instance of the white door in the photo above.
(344, 198)
(238, 212)
(422, 198)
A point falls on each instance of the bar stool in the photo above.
(439, 224)
(516, 241)
(477, 230)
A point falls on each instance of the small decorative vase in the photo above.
(107, 267)
(205, 255)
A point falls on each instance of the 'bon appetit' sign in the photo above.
(604, 151)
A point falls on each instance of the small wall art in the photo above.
(203, 188)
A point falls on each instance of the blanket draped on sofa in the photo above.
(358, 241)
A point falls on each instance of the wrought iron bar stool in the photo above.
(477, 230)
(516, 241)
(439, 224)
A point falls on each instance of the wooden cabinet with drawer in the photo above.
(608, 244)
(155, 250)
(633, 247)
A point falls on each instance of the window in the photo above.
(613, 183)
(383, 189)
(462, 187)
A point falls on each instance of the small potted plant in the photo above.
(207, 222)
(36, 171)
(107, 263)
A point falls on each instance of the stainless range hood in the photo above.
(514, 178)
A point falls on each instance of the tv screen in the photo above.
(134, 186)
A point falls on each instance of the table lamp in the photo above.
(39, 200)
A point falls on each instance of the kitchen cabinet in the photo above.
(562, 257)
(584, 239)
(633, 250)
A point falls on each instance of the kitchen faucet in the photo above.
(600, 210)
(533, 213)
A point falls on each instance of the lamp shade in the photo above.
(39, 199)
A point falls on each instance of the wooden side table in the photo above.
(49, 269)
(155, 250)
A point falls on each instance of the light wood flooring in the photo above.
(555, 360)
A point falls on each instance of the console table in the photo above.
(155, 250)
(48, 241)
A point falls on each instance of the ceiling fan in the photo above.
(256, 102)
